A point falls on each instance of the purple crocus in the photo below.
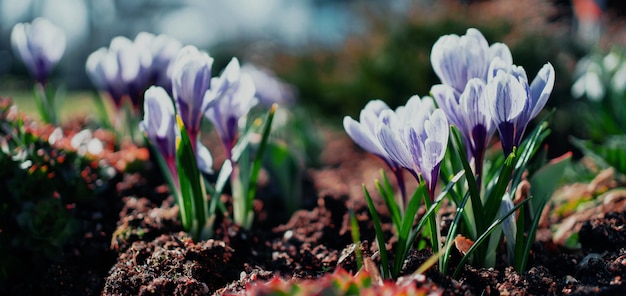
(159, 125)
(470, 114)
(234, 92)
(363, 133)
(191, 80)
(269, 88)
(416, 137)
(40, 45)
(164, 50)
(462, 63)
(122, 69)
(457, 59)
(513, 102)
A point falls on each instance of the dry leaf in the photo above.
(463, 244)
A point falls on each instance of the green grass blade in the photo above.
(392, 206)
(256, 165)
(494, 196)
(528, 242)
(404, 243)
(191, 186)
(101, 110)
(380, 237)
(475, 199)
(356, 239)
(452, 231)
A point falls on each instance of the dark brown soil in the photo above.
(135, 244)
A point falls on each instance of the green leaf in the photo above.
(192, 189)
(356, 239)
(545, 181)
(452, 231)
(475, 198)
(285, 169)
(380, 237)
(41, 101)
(101, 110)
(406, 224)
(390, 203)
(494, 196)
(256, 166)
(528, 148)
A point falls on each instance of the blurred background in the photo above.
(338, 54)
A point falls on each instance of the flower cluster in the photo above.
(196, 95)
(127, 67)
(413, 136)
(172, 122)
(481, 91)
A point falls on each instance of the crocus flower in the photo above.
(234, 92)
(363, 133)
(191, 80)
(40, 45)
(457, 59)
(123, 70)
(102, 68)
(269, 88)
(462, 63)
(416, 137)
(513, 102)
(164, 50)
(159, 125)
(470, 114)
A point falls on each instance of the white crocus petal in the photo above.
(507, 97)
(159, 122)
(376, 106)
(191, 78)
(457, 59)
(245, 94)
(40, 45)
(19, 41)
(368, 119)
(53, 37)
(541, 88)
(395, 147)
(446, 99)
(437, 130)
(509, 227)
(204, 158)
(477, 53)
(474, 105)
(362, 136)
(128, 58)
(94, 69)
(501, 51)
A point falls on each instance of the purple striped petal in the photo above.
(541, 88)
(191, 78)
